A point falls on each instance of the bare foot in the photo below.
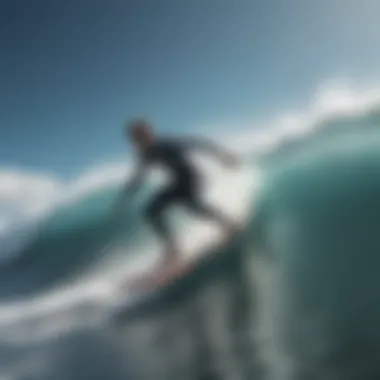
(170, 272)
(172, 256)
(172, 265)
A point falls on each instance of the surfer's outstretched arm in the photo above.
(132, 186)
(208, 146)
(135, 182)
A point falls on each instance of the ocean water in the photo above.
(295, 295)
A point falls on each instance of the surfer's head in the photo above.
(140, 132)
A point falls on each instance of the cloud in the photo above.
(24, 195)
(19, 186)
(96, 178)
(334, 99)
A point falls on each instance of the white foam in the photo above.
(333, 99)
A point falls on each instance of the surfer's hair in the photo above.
(138, 127)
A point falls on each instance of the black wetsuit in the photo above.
(185, 187)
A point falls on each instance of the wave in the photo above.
(67, 242)
(312, 166)
(79, 234)
(319, 213)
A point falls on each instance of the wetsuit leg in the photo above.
(155, 211)
(192, 200)
(207, 211)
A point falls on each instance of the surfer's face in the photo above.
(141, 134)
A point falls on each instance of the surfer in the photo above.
(185, 187)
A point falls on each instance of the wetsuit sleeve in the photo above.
(204, 145)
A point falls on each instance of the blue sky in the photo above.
(72, 71)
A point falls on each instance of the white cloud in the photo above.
(342, 98)
(19, 186)
(24, 195)
(339, 98)
(96, 178)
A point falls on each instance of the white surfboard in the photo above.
(161, 277)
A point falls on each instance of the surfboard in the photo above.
(147, 293)
(157, 278)
(164, 276)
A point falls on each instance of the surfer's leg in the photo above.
(155, 216)
(206, 211)
(189, 193)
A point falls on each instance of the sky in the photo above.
(72, 72)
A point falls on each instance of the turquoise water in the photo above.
(319, 217)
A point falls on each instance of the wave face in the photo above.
(309, 248)
(68, 242)
(319, 215)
